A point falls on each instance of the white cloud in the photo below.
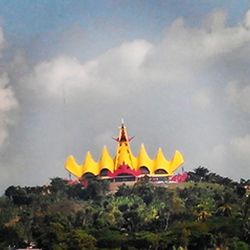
(53, 75)
(104, 74)
(247, 19)
(2, 40)
(7, 103)
(202, 99)
(182, 57)
(185, 51)
(231, 159)
(238, 95)
(223, 39)
(240, 147)
(7, 98)
(216, 20)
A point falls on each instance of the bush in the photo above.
(110, 239)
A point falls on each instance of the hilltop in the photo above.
(207, 212)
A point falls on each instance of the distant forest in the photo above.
(207, 212)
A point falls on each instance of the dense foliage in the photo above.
(207, 212)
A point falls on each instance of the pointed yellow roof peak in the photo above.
(160, 154)
(90, 163)
(143, 150)
(104, 149)
(89, 155)
(160, 160)
(73, 167)
(106, 160)
(160, 150)
(105, 153)
(176, 161)
(89, 159)
(144, 159)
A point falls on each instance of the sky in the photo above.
(176, 71)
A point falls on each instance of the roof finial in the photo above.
(122, 121)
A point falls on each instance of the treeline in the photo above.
(207, 212)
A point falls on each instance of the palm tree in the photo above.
(225, 210)
(201, 172)
(203, 215)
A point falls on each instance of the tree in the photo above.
(79, 239)
(241, 191)
(246, 207)
(9, 236)
(246, 231)
(59, 186)
(144, 190)
(239, 245)
(225, 210)
(201, 172)
(96, 189)
(10, 192)
(110, 239)
(146, 240)
(18, 195)
(184, 238)
(123, 190)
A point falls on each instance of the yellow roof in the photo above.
(176, 161)
(90, 166)
(144, 160)
(106, 161)
(124, 156)
(73, 167)
(161, 162)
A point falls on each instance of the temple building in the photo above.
(124, 165)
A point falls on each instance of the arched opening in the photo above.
(144, 170)
(104, 172)
(161, 171)
(88, 176)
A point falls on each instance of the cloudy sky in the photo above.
(177, 71)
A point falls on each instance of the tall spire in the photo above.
(124, 154)
(123, 137)
(122, 121)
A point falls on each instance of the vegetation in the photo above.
(207, 212)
